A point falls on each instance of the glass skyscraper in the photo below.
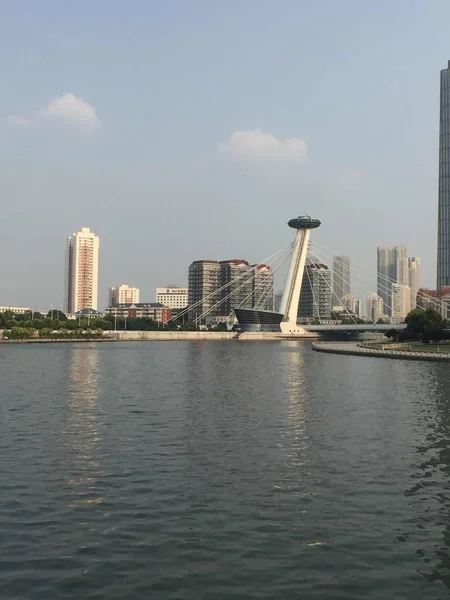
(443, 249)
(341, 278)
(392, 267)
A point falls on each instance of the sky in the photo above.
(181, 130)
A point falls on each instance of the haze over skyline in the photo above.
(183, 131)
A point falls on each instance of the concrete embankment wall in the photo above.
(131, 336)
(358, 351)
(165, 336)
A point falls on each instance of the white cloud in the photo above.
(16, 121)
(260, 145)
(349, 180)
(71, 109)
(67, 108)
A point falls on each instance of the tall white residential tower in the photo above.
(81, 277)
(414, 279)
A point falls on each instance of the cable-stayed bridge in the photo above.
(301, 253)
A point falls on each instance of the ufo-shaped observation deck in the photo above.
(304, 223)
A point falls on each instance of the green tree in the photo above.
(18, 333)
(45, 332)
(56, 315)
(392, 334)
(419, 320)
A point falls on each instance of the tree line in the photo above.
(422, 326)
(56, 324)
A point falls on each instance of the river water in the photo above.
(233, 470)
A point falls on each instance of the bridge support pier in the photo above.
(291, 294)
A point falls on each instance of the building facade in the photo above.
(414, 279)
(81, 276)
(277, 300)
(174, 297)
(443, 246)
(16, 310)
(262, 287)
(123, 294)
(217, 288)
(436, 299)
(204, 283)
(237, 277)
(351, 305)
(341, 278)
(401, 302)
(374, 308)
(315, 295)
(141, 310)
(392, 267)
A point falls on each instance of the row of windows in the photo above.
(444, 141)
(444, 167)
(444, 186)
(444, 127)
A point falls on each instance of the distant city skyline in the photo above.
(147, 171)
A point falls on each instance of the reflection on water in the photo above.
(231, 470)
(294, 440)
(84, 421)
(429, 492)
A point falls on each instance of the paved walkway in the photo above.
(353, 348)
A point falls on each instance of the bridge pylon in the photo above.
(292, 289)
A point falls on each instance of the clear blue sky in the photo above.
(120, 116)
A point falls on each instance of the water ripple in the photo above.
(231, 471)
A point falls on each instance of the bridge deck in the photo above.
(359, 327)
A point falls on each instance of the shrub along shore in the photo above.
(56, 326)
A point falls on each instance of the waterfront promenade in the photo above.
(355, 349)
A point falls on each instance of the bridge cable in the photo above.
(422, 295)
(246, 282)
(263, 299)
(216, 291)
(329, 286)
(347, 281)
(313, 295)
(228, 296)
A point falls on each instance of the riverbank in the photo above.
(354, 349)
(165, 336)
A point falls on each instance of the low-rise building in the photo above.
(16, 310)
(437, 299)
(173, 296)
(141, 310)
(85, 313)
